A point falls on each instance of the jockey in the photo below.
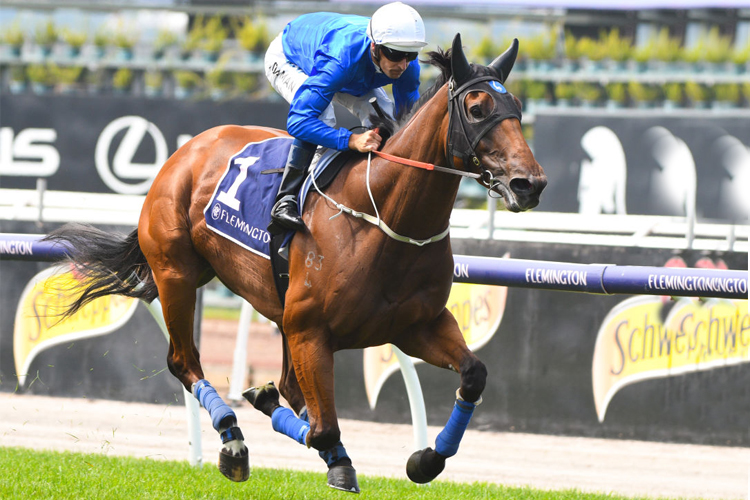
(324, 57)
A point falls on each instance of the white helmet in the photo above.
(398, 27)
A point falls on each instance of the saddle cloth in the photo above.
(240, 208)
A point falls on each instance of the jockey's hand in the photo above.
(365, 142)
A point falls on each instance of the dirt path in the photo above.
(160, 432)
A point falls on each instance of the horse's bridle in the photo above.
(463, 133)
(461, 144)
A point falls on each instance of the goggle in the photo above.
(397, 55)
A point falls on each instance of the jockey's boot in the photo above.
(284, 215)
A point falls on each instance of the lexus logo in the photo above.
(123, 169)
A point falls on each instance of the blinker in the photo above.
(466, 133)
(504, 106)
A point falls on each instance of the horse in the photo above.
(352, 284)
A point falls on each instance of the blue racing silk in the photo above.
(334, 51)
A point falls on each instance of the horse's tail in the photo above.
(105, 263)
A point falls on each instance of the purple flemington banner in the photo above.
(600, 278)
(564, 276)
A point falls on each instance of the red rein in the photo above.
(405, 161)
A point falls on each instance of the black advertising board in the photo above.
(104, 144)
(596, 162)
(645, 164)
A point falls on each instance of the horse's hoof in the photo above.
(344, 478)
(235, 467)
(264, 398)
(424, 465)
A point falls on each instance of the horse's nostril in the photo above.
(521, 186)
(541, 183)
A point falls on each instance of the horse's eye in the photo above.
(476, 111)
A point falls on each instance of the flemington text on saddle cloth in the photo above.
(240, 208)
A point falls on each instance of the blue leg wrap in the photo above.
(211, 401)
(286, 422)
(449, 438)
(332, 455)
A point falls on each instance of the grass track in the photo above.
(27, 474)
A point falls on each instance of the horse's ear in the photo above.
(504, 62)
(460, 68)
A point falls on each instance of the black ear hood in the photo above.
(504, 62)
(460, 68)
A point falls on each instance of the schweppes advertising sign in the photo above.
(38, 324)
(478, 309)
(643, 338)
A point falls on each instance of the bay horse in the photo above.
(351, 284)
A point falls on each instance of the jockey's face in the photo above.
(390, 68)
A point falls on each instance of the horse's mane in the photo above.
(441, 59)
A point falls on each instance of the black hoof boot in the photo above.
(344, 478)
(264, 398)
(235, 466)
(425, 465)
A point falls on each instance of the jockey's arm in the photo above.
(304, 121)
(311, 100)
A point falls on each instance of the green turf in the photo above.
(27, 474)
